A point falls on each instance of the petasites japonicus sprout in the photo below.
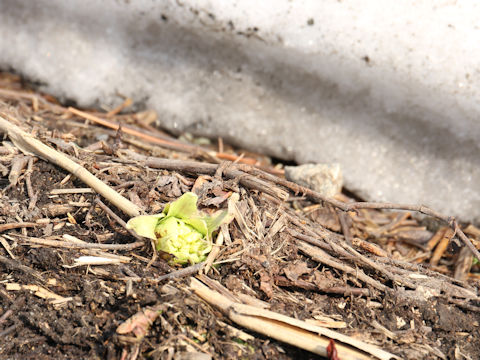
(181, 229)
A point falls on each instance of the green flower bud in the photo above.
(181, 229)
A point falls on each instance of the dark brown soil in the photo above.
(264, 264)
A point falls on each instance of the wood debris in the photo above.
(292, 266)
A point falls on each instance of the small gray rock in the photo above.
(323, 178)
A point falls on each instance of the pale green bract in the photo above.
(181, 229)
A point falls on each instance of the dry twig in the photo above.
(168, 144)
(195, 167)
(117, 219)
(71, 245)
(31, 146)
(289, 330)
(315, 196)
(450, 220)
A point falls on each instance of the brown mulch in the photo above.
(389, 278)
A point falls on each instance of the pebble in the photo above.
(323, 178)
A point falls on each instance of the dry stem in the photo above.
(29, 145)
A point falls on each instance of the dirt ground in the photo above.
(388, 278)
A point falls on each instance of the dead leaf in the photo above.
(266, 284)
(327, 217)
(294, 271)
(419, 236)
(324, 281)
(139, 323)
(199, 183)
(218, 200)
(472, 230)
(171, 186)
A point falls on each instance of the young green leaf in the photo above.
(144, 225)
(181, 229)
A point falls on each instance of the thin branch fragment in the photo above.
(297, 189)
(289, 330)
(194, 167)
(313, 195)
(19, 163)
(177, 274)
(117, 219)
(10, 226)
(71, 245)
(168, 144)
(343, 216)
(28, 181)
(29, 145)
(322, 257)
(450, 220)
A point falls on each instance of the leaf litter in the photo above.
(294, 275)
